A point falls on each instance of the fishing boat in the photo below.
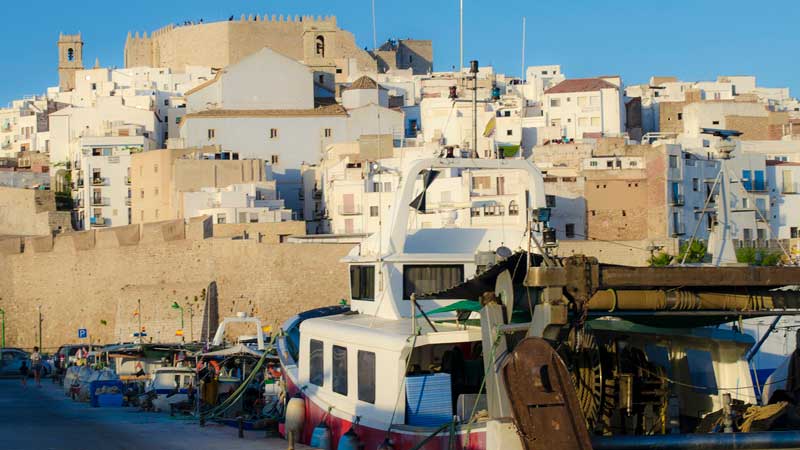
(478, 338)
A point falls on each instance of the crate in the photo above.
(106, 399)
(429, 400)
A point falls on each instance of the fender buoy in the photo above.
(215, 365)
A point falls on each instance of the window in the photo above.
(695, 184)
(680, 116)
(758, 183)
(506, 113)
(316, 366)
(475, 212)
(570, 230)
(747, 181)
(322, 79)
(339, 372)
(155, 191)
(274, 159)
(481, 182)
(177, 121)
(509, 132)
(373, 211)
(429, 279)
(673, 161)
(320, 46)
(211, 133)
(581, 101)
(715, 122)
(221, 218)
(273, 133)
(747, 234)
(366, 376)
(141, 193)
(761, 234)
(328, 132)
(793, 233)
(362, 282)
(610, 164)
(155, 168)
(555, 102)
(338, 70)
(387, 186)
(550, 201)
(166, 102)
(70, 54)
(94, 86)
(583, 121)
(513, 208)
(592, 163)
(633, 163)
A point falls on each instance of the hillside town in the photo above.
(282, 175)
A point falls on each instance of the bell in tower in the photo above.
(70, 59)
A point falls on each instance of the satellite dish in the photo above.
(503, 252)
(504, 290)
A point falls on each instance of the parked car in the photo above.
(11, 360)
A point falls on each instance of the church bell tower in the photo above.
(70, 59)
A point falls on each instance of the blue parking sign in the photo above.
(82, 333)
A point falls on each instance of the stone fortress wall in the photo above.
(220, 44)
(95, 279)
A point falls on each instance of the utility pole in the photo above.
(473, 69)
(191, 323)
(461, 36)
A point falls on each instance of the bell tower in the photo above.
(70, 59)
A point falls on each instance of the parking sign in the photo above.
(82, 333)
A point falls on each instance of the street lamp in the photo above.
(175, 305)
(2, 328)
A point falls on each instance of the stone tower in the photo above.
(70, 59)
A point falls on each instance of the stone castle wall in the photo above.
(95, 280)
(220, 44)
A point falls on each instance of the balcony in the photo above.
(98, 181)
(350, 210)
(316, 194)
(99, 201)
(77, 204)
(97, 221)
(80, 183)
(790, 188)
(678, 229)
(319, 215)
(676, 200)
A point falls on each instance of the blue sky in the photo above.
(690, 39)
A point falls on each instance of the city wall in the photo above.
(96, 279)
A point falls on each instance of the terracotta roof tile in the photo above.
(580, 85)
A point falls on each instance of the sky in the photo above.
(690, 39)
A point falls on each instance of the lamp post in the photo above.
(2, 328)
(175, 305)
(39, 308)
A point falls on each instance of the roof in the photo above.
(772, 162)
(363, 82)
(204, 84)
(330, 110)
(580, 85)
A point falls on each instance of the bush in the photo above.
(696, 253)
(757, 257)
(660, 260)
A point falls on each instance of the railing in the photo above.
(351, 211)
(98, 181)
(77, 203)
(96, 221)
(319, 214)
(676, 200)
(99, 201)
(790, 188)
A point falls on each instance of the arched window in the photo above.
(70, 54)
(513, 208)
(321, 46)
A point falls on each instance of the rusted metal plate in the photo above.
(546, 410)
(708, 277)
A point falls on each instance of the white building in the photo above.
(263, 107)
(585, 108)
(24, 126)
(101, 178)
(237, 203)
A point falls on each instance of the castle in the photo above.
(317, 42)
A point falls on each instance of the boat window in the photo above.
(701, 371)
(659, 355)
(339, 370)
(366, 376)
(362, 282)
(316, 363)
(430, 279)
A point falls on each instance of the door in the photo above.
(348, 204)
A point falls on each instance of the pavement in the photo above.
(45, 419)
